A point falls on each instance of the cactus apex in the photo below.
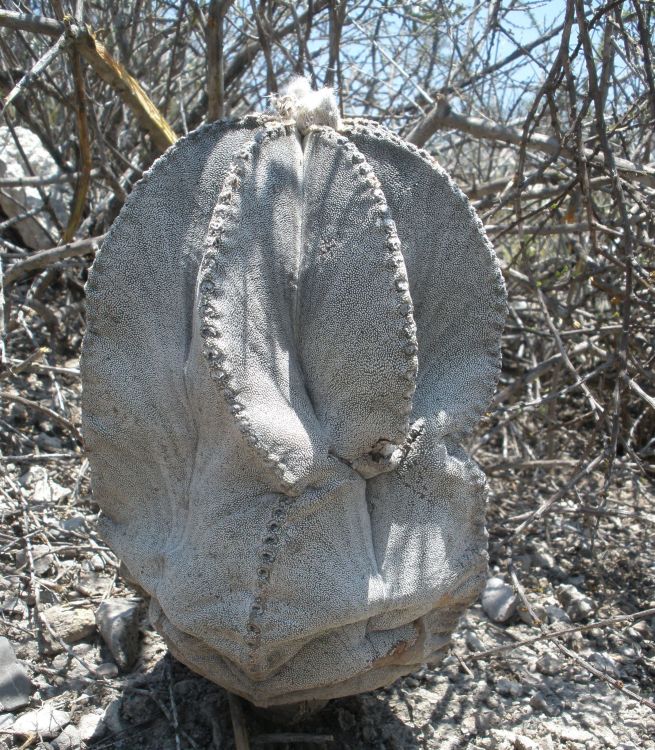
(306, 106)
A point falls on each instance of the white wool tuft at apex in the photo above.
(306, 106)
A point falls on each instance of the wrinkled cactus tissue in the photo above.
(291, 325)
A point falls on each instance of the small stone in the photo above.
(473, 642)
(556, 614)
(97, 562)
(47, 722)
(578, 606)
(525, 743)
(41, 556)
(498, 600)
(538, 610)
(112, 719)
(509, 687)
(69, 739)
(572, 734)
(107, 669)
(605, 663)
(14, 606)
(484, 720)
(71, 624)
(549, 665)
(15, 686)
(74, 523)
(90, 725)
(538, 702)
(118, 624)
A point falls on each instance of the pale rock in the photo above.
(47, 722)
(525, 743)
(15, 686)
(90, 725)
(70, 623)
(69, 739)
(499, 600)
(37, 232)
(571, 733)
(112, 718)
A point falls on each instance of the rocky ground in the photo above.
(80, 666)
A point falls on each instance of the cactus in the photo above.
(291, 325)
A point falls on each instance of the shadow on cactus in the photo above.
(290, 326)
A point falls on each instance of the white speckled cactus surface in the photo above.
(290, 326)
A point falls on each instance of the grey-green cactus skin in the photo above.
(288, 334)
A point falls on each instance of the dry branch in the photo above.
(105, 66)
(46, 258)
(441, 117)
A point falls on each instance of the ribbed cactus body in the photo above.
(288, 332)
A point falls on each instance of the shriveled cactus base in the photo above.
(340, 659)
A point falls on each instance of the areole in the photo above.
(291, 325)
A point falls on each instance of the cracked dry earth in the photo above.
(55, 573)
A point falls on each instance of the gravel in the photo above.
(126, 690)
